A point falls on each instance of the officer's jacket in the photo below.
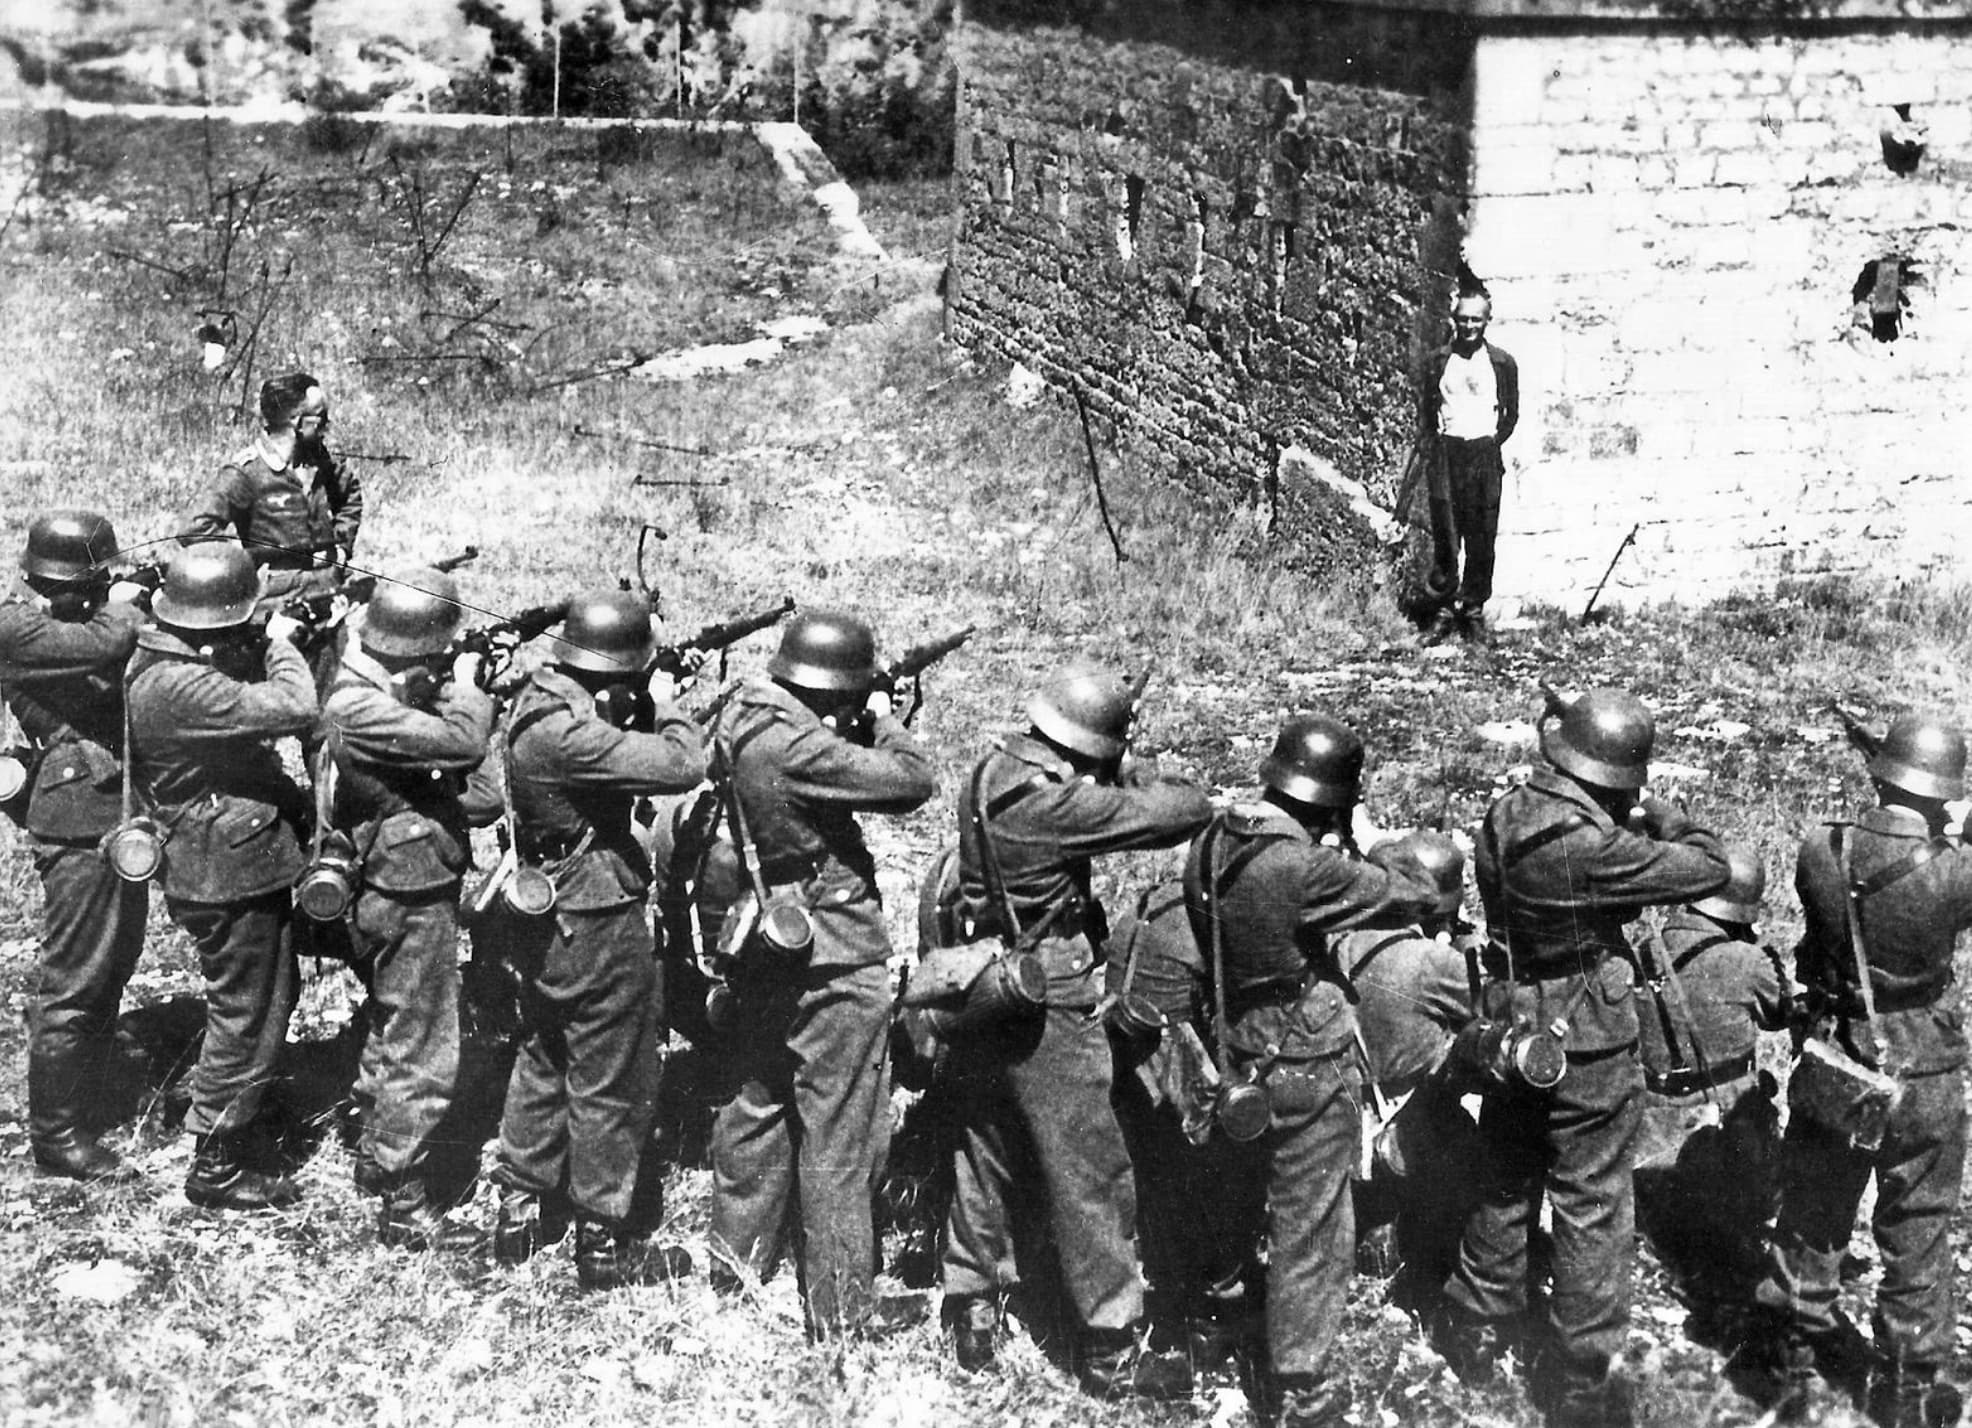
(64, 681)
(1733, 990)
(1506, 388)
(284, 513)
(1910, 920)
(401, 772)
(577, 777)
(1414, 992)
(1279, 894)
(801, 785)
(1047, 823)
(204, 761)
(1560, 880)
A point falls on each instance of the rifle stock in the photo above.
(1859, 734)
(918, 658)
(676, 660)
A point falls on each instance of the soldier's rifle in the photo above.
(685, 657)
(497, 643)
(1860, 736)
(909, 668)
(321, 611)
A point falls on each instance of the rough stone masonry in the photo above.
(1732, 262)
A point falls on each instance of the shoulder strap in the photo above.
(728, 762)
(1852, 915)
(989, 853)
(1896, 872)
(326, 773)
(1209, 884)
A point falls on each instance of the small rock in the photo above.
(1506, 731)
(1024, 387)
(107, 1281)
(122, 354)
(1678, 773)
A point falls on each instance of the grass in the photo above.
(877, 470)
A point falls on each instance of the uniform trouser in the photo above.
(798, 1150)
(1918, 1169)
(1574, 1145)
(250, 989)
(1034, 1101)
(1465, 508)
(410, 1062)
(1297, 1175)
(583, 1095)
(92, 936)
(1707, 1182)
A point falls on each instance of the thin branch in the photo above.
(1095, 474)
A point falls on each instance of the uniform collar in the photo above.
(161, 642)
(1556, 784)
(552, 681)
(765, 694)
(1894, 822)
(1253, 818)
(359, 665)
(1032, 751)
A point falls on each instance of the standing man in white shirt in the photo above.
(1471, 400)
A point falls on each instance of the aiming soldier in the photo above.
(801, 753)
(1561, 872)
(1034, 1090)
(585, 740)
(285, 497)
(207, 699)
(63, 646)
(1885, 895)
(1266, 884)
(405, 723)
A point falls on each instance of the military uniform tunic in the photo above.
(1033, 1094)
(204, 760)
(286, 516)
(1909, 928)
(402, 773)
(802, 1142)
(64, 681)
(583, 1095)
(1277, 895)
(1560, 880)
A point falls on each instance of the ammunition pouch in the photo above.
(1844, 1097)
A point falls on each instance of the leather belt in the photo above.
(781, 871)
(1684, 1080)
(548, 847)
(1281, 991)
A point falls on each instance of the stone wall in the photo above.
(1674, 227)
(1229, 225)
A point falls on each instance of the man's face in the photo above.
(311, 422)
(1469, 318)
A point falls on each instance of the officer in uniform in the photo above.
(1909, 893)
(1708, 1151)
(285, 497)
(405, 737)
(63, 646)
(1269, 882)
(1561, 872)
(798, 1148)
(1034, 1091)
(585, 740)
(207, 701)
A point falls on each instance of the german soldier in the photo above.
(404, 737)
(207, 701)
(1890, 891)
(802, 752)
(1708, 1150)
(584, 741)
(1278, 877)
(63, 646)
(1561, 872)
(1035, 1089)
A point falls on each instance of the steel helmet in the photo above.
(209, 586)
(826, 650)
(607, 632)
(1442, 862)
(414, 612)
(1603, 738)
(1739, 899)
(68, 545)
(1316, 760)
(1923, 756)
(1086, 711)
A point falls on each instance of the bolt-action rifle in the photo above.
(911, 665)
(497, 643)
(688, 654)
(321, 611)
(1860, 736)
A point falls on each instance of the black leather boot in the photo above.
(974, 1322)
(61, 1145)
(221, 1180)
(604, 1259)
(517, 1233)
(1909, 1395)
(1776, 1364)
(1472, 1346)
(407, 1219)
(1117, 1364)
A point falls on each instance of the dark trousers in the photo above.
(1034, 1107)
(1296, 1180)
(1465, 509)
(1573, 1145)
(1918, 1170)
(797, 1151)
(92, 935)
(250, 988)
(410, 1062)
(583, 1095)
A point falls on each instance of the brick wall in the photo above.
(1673, 227)
(1228, 224)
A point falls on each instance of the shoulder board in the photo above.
(1257, 820)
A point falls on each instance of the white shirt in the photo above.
(1468, 396)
